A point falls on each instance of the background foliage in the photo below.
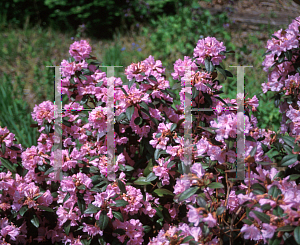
(36, 34)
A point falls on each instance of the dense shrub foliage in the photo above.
(105, 14)
(156, 197)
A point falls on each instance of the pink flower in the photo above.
(194, 215)
(45, 110)
(209, 47)
(211, 221)
(80, 50)
(251, 232)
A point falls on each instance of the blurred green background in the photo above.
(37, 33)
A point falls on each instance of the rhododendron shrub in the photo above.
(156, 198)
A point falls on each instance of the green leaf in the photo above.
(228, 73)
(262, 216)
(215, 185)
(8, 165)
(129, 112)
(286, 228)
(157, 153)
(222, 71)
(249, 138)
(141, 181)
(263, 163)
(171, 164)
(274, 191)
(157, 135)
(258, 186)
(118, 216)
(67, 226)
(289, 55)
(66, 197)
(103, 220)
(151, 177)
(253, 151)
(294, 177)
(81, 204)
(297, 234)
(218, 98)
(201, 201)
(288, 160)
(120, 203)
(48, 209)
(220, 210)
(35, 221)
(99, 84)
(247, 221)
(209, 66)
(173, 127)
(121, 117)
(130, 83)
(3, 147)
(188, 193)
(82, 77)
(163, 192)
(144, 105)
(288, 140)
(23, 210)
(138, 121)
(186, 239)
(147, 228)
(121, 185)
(124, 91)
(91, 209)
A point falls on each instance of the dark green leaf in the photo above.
(253, 151)
(91, 209)
(142, 181)
(247, 221)
(3, 147)
(23, 210)
(144, 105)
(288, 160)
(118, 216)
(129, 112)
(121, 185)
(158, 135)
(120, 203)
(66, 197)
(173, 127)
(48, 209)
(262, 216)
(218, 98)
(186, 239)
(209, 66)
(82, 77)
(249, 138)
(288, 140)
(130, 83)
(171, 164)
(222, 71)
(289, 55)
(124, 91)
(35, 221)
(201, 201)
(215, 185)
(286, 228)
(151, 177)
(103, 220)
(297, 234)
(274, 191)
(147, 228)
(163, 192)
(8, 165)
(294, 177)
(188, 193)
(220, 210)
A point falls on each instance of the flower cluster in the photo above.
(158, 189)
